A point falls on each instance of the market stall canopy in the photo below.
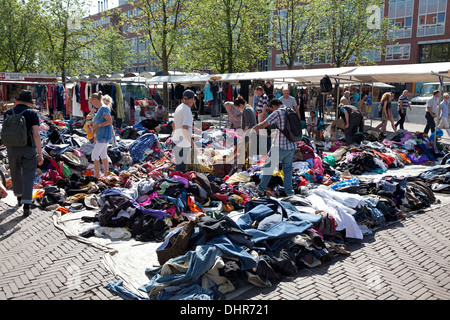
(421, 72)
(117, 76)
(192, 79)
(281, 76)
(314, 76)
(147, 74)
(131, 75)
(368, 84)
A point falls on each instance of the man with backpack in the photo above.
(20, 135)
(282, 150)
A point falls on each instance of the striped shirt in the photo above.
(278, 118)
(403, 102)
(262, 101)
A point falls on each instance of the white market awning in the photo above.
(186, 79)
(426, 72)
(421, 72)
(314, 76)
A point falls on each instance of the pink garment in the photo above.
(172, 211)
(78, 153)
(318, 168)
(149, 199)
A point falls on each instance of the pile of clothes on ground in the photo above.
(372, 155)
(210, 256)
(204, 253)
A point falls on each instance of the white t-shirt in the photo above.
(182, 117)
(289, 102)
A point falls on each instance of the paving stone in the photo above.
(412, 257)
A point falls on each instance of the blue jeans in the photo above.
(286, 157)
(200, 260)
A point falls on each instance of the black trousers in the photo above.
(431, 125)
(401, 121)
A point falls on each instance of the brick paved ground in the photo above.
(408, 260)
(38, 262)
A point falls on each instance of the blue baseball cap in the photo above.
(189, 94)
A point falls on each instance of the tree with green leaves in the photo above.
(293, 27)
(227, 35)
(67, 36)
(161, 23)
(111, 52)
(349, 29)
(20, 36)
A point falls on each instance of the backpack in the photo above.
(14, 131)
(306, 150)
(326, 85)
(293, 126)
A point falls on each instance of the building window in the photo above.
(401, 15)
(322, 57)
(302, 59)
(436, 52)
(398, 52)
(432, 14)
(371, 55)
(279, 60)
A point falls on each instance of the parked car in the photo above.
(426, 92)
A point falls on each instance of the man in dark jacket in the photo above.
(23, 161)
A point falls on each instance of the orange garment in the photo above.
(62, 210)
(88, 172)
(192, 206)
(8, 183)
(387, 159)
(38, 193)
(404, 157)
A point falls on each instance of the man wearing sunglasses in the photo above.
(182, 131)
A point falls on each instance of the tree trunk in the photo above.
(165, 63)
(230, 39)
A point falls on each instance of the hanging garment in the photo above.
(67, 100)
(76, 108)
(119, 101)
(84, 103)
(208, 93)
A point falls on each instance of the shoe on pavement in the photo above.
(26, 210)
